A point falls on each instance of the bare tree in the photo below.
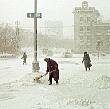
(8, 40)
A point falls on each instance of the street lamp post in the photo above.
(35, 64)
(17, 35)
(98, 47)
(35, 15)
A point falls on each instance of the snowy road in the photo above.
(77, 88)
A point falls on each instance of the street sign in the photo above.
(39, 15)
(32, 15)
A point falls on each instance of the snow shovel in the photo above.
(38, 77)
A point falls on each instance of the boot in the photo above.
(50, 82)
(57, 82)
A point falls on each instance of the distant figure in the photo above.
(24, 58)
(52, 69)
(87, 61)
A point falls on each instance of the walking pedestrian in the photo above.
(87, 61)
(24, 58)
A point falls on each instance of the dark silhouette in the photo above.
(24, 58)
(52, 69)
(87, 61)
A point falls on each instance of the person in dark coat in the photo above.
(24, 58)
(87, 61)
(52, 69)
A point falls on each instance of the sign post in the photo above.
(35, 15)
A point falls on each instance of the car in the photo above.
(67, 54)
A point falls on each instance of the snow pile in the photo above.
(102, 82)
(26, 81)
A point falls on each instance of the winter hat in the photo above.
(85, 52)
(46, 59)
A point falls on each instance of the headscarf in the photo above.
(46, 59)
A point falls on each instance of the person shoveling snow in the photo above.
(52, 69)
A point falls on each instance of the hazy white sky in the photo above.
(12, 10)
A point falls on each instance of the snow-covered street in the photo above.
(77, 89)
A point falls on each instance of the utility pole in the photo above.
(17, 34)
(17, 27)
(5, 37)
(35, 64)
(35, 15)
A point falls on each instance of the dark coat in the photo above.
(52, 68)
(87, 61)
(24, 57)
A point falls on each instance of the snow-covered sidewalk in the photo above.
(13, 69)
(77, 88)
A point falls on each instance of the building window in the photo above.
(89, 38)
(88, 19)
(88, 28)
(81, 28)
(81, 37)
(81, 19)
(108, 32)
